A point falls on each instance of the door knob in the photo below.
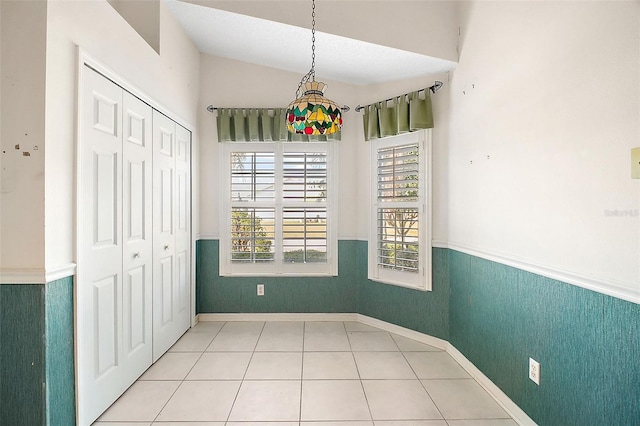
(166, 247)
(136, 255)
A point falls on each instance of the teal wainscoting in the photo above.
(22, 355)
(60, 378)
(587, 343)
(36, 354)
(423, 311)
(216, 294)
(349, 292)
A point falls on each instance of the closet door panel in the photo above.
(168, 288)
(166, 285)
(105, 298)
(99, 275)
(137, 223)
(183, 220)
(183, 272)
(137, 334)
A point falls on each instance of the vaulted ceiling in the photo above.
(363, 42)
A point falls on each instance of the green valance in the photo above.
(260, 124)
(406, 113)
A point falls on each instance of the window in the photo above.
(400, 234)
(277, 209)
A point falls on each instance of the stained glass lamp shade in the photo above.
(312, 113)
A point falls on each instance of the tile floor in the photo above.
(303, 374)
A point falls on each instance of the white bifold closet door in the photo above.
(114, 287)
(171, 224)
(133, 274)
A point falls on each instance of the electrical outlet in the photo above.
(635, 163)
(534, 371)
(260, 289)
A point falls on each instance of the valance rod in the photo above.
(211, 108)
(436, 86)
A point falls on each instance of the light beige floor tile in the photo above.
(275, 366)
(280, 343)
(411, 423)
(267, 401)
(336, 354)
(141, 402)
(283, 327)
(171, 366)
(324, 327)
(262, 423)
(237, 337)
(329, 365)
(323, 342)
(435, 365)
(372, 341)
(207, 327)
(353, 423)
(463, 399)
(326, 337)
(229, 342)
(410, 345)
(243, 327)
(193, 342)
(333, 400)
(399, 400)
(187, 424)
(484, 422)
(220, 366)
(281, 336)
(99, 423)
(383, 365)
(201, 401)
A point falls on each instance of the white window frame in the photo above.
(278, 267)
(421, 280)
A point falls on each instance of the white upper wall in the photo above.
(544, 111)
(23, 29)
(170, 79)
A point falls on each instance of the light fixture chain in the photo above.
(313, 39)
(311, 75)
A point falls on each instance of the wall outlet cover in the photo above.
(635, 163)
(534, 371)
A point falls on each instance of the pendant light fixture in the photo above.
(311, 113)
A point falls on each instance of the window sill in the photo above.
(399, 284)
(271, 274)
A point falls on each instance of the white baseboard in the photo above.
(277, 317)
(501, 398)
(404, 332)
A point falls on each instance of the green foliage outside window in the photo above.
(249, 238)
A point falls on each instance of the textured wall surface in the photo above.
(59, 353)
(22, 355)
(37, 375)
(423, 311)
(349, 292)
(289, 294)
(586, 342)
